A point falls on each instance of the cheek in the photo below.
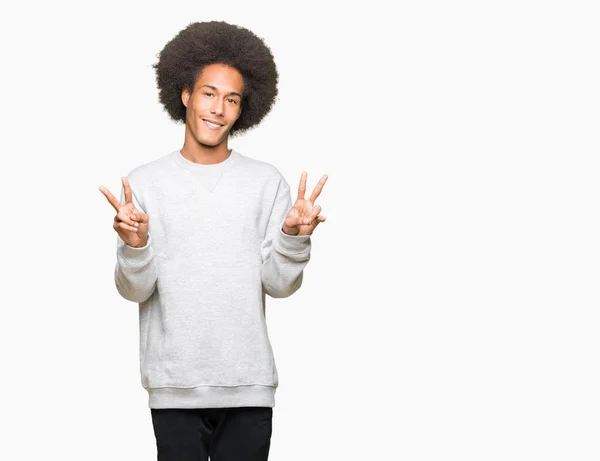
(235, 114)
(200, 104)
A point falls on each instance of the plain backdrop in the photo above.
(450, 308)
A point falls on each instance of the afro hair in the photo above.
(181, 61)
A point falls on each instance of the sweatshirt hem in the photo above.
(255, 395)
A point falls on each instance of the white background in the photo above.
(450, 308)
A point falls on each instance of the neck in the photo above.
(196, 152)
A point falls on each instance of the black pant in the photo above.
(224, 434)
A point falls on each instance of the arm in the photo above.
(284, 256)
(135, 271)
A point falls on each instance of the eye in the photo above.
(207, 93)
(232, 101)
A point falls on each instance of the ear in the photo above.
(185, 96)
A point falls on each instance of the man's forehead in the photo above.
(221, 85)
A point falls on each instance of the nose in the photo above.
(217, 106)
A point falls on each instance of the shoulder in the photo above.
(261, 170)
(148, 178)
(149, 172)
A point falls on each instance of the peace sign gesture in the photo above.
(130, 223)
(304, 216)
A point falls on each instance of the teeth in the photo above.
(211, 123)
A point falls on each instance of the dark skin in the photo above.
(217, 97)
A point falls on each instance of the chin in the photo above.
(207, 141)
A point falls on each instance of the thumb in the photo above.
(140, 217)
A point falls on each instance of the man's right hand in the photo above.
(130, 223)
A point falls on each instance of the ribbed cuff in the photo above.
(137, 257)
(292, 244)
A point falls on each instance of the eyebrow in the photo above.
(230, 93)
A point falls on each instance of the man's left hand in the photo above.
(304, 216)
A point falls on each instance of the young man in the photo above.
(204, 234)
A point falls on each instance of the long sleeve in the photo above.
(284, 256)
(135, 270)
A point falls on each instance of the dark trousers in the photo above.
(224, 434)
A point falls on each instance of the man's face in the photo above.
(217, 97)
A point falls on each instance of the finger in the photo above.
(318, 221)
(127, 190)
(121, 217)
(302, 186)
(293, 220)
(315, 212)
(139, 217)
(318, 188)
(122, 225)
(111, 198)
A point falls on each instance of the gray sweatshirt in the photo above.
(215, 250)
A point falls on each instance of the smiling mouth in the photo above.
(212, 126)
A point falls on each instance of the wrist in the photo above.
(289, 230)
(140, 245)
